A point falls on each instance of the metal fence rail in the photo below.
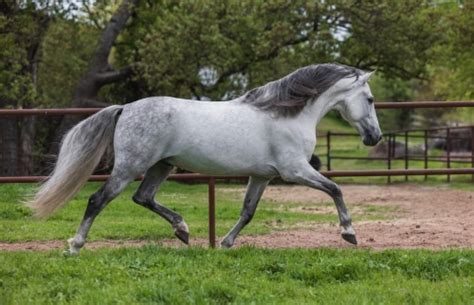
(89, 111)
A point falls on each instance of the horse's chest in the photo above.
(308, 144)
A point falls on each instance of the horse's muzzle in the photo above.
(371, 140)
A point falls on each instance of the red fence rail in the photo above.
(89, 111)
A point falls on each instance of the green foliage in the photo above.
(202, 48)
(453, 67)
(393, 90)
(66, 51)
(394, 36)
(16, 84)
(156, 275)
(452, 70)
(23, 25)
(219, 50)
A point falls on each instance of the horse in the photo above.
(268, 132)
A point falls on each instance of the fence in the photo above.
(447, 141)
(211, 180)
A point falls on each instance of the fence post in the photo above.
(448, 153)
(394, 145)
(389, 156)
(406, 153)
(212, 212)
(328, 146)
(426, 153)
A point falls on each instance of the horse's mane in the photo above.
(290, 94)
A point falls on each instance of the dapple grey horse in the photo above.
(270, 131)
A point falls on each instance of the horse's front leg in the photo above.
(303, 173)
(255, 189)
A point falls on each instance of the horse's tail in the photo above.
(80, 152)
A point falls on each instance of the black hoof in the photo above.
(226, 245)
(183, 236)
(350, 238)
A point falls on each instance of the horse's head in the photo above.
(356, 105)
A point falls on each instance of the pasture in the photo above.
(155, 275)
(133, 257)
(237, 88)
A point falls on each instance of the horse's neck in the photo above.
(316, 110)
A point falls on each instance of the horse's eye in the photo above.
(370, 100)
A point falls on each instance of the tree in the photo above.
(218, 50)
(100, 72)
(452, 70)
(22, 26)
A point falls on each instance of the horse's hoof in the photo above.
(183, 236)
(225, 244)
(71, 249)
(181, 231)
(69, 253)
(351, 238)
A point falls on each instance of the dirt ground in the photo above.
(422, 217)
(418, 217)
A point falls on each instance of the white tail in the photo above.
(81, 151)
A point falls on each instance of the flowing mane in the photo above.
(290, 94)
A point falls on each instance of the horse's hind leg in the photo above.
(255, 189)
(97, 202)
(145, 197)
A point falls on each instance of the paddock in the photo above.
(415, 243)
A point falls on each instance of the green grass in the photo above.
(157, 275)
(123, 219)
(154, 275)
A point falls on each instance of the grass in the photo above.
(122, 219)
(154, 275)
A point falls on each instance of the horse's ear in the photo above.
(365, 77)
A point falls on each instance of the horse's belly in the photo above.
(219, 167)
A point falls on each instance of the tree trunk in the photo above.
(100, 72)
